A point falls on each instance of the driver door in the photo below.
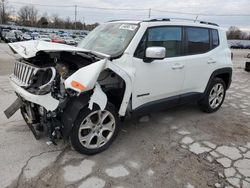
(159, 80)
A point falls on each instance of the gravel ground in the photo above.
(176, 148)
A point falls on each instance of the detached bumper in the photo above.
(47, 101)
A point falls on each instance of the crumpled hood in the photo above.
(29, 49)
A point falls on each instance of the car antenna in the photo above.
(196, 18)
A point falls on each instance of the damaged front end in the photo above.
(53, 82)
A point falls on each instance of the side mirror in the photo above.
(155, 53)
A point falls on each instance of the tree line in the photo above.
(237, 34)
(29, 16)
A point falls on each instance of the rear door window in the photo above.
(197, 40)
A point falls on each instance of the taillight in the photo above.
(232, 55)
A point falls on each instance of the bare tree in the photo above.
(57, 22)
(28, 15)
(234, 33)
(68, 23)
(4, 11)
(43, 21)
(91, 26)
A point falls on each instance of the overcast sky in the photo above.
(211, 7)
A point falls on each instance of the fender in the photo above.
(99, 98)
(88, 76)
(217, 72)
(128, 87)
(94, 95)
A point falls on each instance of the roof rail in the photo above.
(157, 20)
(120, 20)
(208, 23)
(181, 19)
(170, 19)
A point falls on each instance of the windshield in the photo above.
(109, 38)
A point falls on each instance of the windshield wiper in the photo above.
(99, 54)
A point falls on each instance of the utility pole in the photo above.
(149, 12)
(196, 18)
(83, 21)
(3, 12)
(75, 15)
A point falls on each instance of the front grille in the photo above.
(23, 73)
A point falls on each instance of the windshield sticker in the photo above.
(128, 27)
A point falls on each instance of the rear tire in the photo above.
(247, 67)
(214, 97)
(95, 130)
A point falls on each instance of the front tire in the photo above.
(214, 97)
(95, 130)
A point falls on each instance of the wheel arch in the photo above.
(118, 96)
(127, 88)
(71, 111)
(77, 103)
(224, 73)
(114, 89)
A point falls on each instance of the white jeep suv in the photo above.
(120, 69)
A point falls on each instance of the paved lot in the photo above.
(176, 148)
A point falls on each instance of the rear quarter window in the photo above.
(215, 38)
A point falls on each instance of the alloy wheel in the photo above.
(96, 129)
(216, 95)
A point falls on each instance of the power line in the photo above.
(201, 14)
(135, 9)
(42, 5)
(84, 7)
(118, 9)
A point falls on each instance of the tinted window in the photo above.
(197, 40)
(168, 37)
(215, 38)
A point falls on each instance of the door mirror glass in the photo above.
(155, 53)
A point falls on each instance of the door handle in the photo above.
(211, 61)
(177, 66)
